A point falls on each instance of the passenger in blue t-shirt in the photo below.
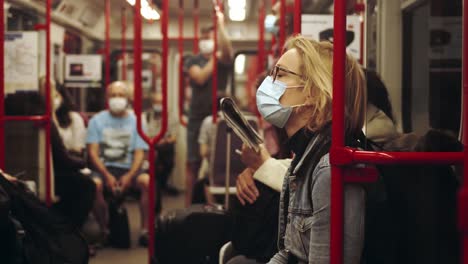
(117, 153)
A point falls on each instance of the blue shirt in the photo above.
(117, 138)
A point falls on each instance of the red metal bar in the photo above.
(137, 67)
(48, 187)
(463, 194)
(107, 43)
(39, 118)
(297, 16)
(124, 44)
(261, 49)
(2, 85)
(338, 128)
(180, 42)
(196, 15)
(282, 30)
(261, 37)
(214, 78)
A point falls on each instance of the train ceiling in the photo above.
(87, 16)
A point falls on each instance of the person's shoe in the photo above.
(143, 239)
(171, 191)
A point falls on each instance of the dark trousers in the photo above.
(163, 167)
(77, 193)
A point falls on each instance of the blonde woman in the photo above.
(297, 96)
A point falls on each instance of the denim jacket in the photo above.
(304, 217)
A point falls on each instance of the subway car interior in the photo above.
(233, 131)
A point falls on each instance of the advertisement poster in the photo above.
(83, 68)
(21, 61)
(320, 28)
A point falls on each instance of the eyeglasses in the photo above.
(276, 69)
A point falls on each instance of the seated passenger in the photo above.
(305, 72)
(76, 191)
(379, 127)
(117, 152)
(69, 123)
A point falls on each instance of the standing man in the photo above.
(200, 71)
(116, 152)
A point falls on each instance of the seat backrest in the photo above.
(218, 160)
(417, 222)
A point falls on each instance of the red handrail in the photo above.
(341, 156)
(214, 77)
(463, 194)
(261, 49)
(297, 16)
(2, 85)
(196, 15)
(107, 43)
(282, 32)
(180, 42)
(137, 67)
(338, 128)
(261, 37)
(124, 44)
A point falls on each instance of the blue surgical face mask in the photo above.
(268, 96)
(270, 21)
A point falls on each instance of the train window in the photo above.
(19, 20)
(244, 79)
(432, 53)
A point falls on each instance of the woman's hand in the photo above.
(254, 159)
(246, 189)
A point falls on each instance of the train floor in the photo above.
(135, 254)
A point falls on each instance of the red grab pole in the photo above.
(214, 78)
(2, 86)
(196, 16)
(338, 128)
(297, 16)
(137, 52)
(124, 44)
(282, 31)
(107, 43)
(180, 42)
(261, 37)
(463, 194)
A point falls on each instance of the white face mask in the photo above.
(206, 46)
(157, 108)
(117, 104)
(57, 102)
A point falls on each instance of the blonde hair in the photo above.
(316, 70)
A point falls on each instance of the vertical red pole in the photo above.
(180, 42)
(48, 150)
(261, 37)
(338, 128)
(297, 16)
(124, 44)
(196, 15)
(463, 194)
(273, 38)
(2, 86)
(107, 43)
(214, 78)
(282, 32)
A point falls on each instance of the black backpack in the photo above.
(119, 228)
(191, 235)
(33, 234)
